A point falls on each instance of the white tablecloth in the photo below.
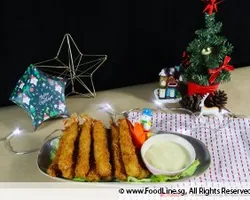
(228, 143)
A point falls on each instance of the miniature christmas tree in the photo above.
(206, 60)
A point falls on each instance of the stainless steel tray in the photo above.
(202, 154)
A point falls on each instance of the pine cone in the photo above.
(191, 102)
(219, 99)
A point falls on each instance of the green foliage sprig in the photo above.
(208, 37)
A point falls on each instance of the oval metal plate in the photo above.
(202, 154)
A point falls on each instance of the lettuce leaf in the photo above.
(54, 144)
(163, 178)
(79, 179)
(133, 179)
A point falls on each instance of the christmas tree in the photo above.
(206, 60)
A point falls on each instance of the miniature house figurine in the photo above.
(163, 84)
(162, 93)
(172, 88)
(163, 78)
(169, 79)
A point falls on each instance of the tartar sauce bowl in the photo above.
(170, 139)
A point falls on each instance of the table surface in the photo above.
(22, 168)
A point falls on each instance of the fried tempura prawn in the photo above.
(144, 173)
(119, 170)
(101, 152)
(128, 150)
(65, 162)
(88, 151)
(84, 147)
(93, 175)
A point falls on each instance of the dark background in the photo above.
(139, 37)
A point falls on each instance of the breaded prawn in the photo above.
(128, 150)
(65, 162)
(144, 171)
(84, 148)
(92, 175)
(101, 152)
(119, 170)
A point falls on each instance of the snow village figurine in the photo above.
(169, 80)
(146, 119)
(163, 78)
(172, 84)
(172, 89)
(163, 84)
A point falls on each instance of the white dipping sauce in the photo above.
(168, 156)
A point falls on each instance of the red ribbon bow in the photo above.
(216, 72)
(212, 5)
(194, 88)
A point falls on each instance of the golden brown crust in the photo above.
(53, 168)
(84, 152)
(93, 176)
(69, 121)
(128, 150)
(83, 162)
(101, 152)
(144, 173)
(65, 163)
(119, 170)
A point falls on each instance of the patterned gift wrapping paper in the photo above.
(40, 95)
(228, 143)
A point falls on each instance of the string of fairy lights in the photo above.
(200, 123)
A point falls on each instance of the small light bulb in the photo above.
(108, 106)
(104, 106)
(17, 131)
(157, 103)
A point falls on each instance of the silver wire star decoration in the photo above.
(75, 68)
